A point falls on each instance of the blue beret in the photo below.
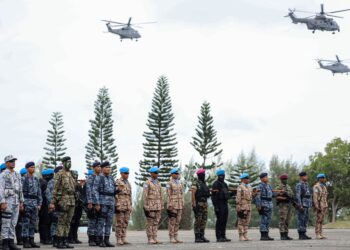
(90, 172)
(30, 164)
(303, 173)
(153, 170)
(262, 175)
(220, 172)
(124, 170)
(57, 169)
(47, 171)
(2, 166)
(23, 171)
(174, 171)
(321, 175)
(244, 176)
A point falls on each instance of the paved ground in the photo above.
(337, 239)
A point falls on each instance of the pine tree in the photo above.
(205, 142)
(160, 147)
(55, 148)
(101, 145)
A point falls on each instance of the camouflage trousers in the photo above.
(285, 210)
(92, 226)
(122, 221)
(243, 224)
(53, 226)
(319, 220)
(174, 222)
(105, 220)
(200, 216)
(153, 223)
(265, 219)
(9, 221)
(64, 220)
(303, 219)
(29, 220)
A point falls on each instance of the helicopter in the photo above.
(318, 21)
(335, 66)
(126, 31)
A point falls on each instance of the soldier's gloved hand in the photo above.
(89, 206)
(98, 207)
(3, 206)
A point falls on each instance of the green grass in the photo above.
(338, 225)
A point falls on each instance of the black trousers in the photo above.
(221, 212)
(44, 224)
(74, 225)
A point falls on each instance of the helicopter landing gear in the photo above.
(333, 32)
(313, 32)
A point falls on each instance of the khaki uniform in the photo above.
(320, 195)
(153, 204)
(175, 206)
(244, 206)
(123, 208)
(285, 207)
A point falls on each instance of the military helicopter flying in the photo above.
(335, 66)
(126, 31)
(318, 21)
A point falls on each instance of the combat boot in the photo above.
(125, 242)
(287, 237)
(198, 238)
(263, 236)
(66, 243)
(283, 236)
(12, 245)
(120, 241)
(107, 242)
(177, 239)
(226, 239)
(101, 242)
(92, 242)
(156, 240)
(241, 237)
(26, 243)
(0, 243)
(205, 240)
(268, 236)
(172, 240)
(151, 241)
(5, 244)
(32, 243)
(245, 235)
(303, 236)
(54, 241)
(59, 243)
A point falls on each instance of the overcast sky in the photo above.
(254, 66)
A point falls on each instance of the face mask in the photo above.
(221, 177)
(201, 177)
(67, 165)
(284, 182)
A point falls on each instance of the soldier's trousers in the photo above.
(44, 223)
(122, 221)
(92, 225)
(153, 223)
(54, 223)
(265, 219)
(319, 220)
(64, 219)
(75, 223)
(285, 210)
(200, 217)
(105, 220)
(18, 228)
(243, 224)
(29, 220)
(9, 221)
(221, 212)
(174, 223)
(303, 219)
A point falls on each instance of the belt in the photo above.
(266, 199)
(28, 196)
(107, 194)
(306, 196)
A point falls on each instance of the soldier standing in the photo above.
(153, 205)
(63, 200)
(220, 195)
(91, 205)
(200, 194)
(264, 205)
(123, 206)
(78, 211)
(2, 168)
(320, 196)
(244, 206)
(104, 192)
(304, 201)
(11, 200)
(284, 202)
(175, 205)
(18, 228)
(32, 204)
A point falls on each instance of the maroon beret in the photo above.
(283, 176)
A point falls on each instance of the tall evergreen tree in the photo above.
(101, 145)
(55, 148)
(160, 147)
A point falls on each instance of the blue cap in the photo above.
(220, 172)
(47, 171)
(2, 166)
(174, 171)
(244, 176)
(153, 170)
(30, 164)
(90, 172)
(124, 170)
(23, 171)
(321, 175)
(262, 175)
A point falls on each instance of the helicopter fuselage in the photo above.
(125, 32)
(317, 23)
(335, 67)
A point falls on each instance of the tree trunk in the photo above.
(334, 209)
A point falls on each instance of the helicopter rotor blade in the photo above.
(129, 21)
(322, 8)
(308, 12)
(309, 16)
(143, 23)
(333, 16)
(336, 56)
(108, 21)
(338, 11)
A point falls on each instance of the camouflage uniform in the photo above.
(153, 204)
(304, 201)
(64, 199)
(264, 201)
(54, 215)
(92, 217)
(32, 199)
(244, 207)
(175, 206)
(11, 194)
(123, 209)
(320, 195)
(285, 207)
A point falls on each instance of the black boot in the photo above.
(224, 237)
(59, 243)
(283, 236)
(198, 238)
(203, 238)
(101, 241)
(66, 243)
(307, 237)
(19, 240)
(32, 243)
(92, 242)
(26, 243)
(12, 245)
(303, 236)
(263, 236)
(54, 241)
(268, 236)
(5, 244)
(75, 239)
(0, 243)
(287, 236)
(107, 243)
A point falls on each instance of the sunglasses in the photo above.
(125, 173)
(12, 161)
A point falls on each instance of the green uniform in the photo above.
(285, 207)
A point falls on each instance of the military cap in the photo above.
(220, 172)
(47, 171)
(30, 164)
(244, 176)
(96, 164)
(90, 172)
(23, 171)
(200, 171)
(321, 175)
(65, 159)
(153, 170)
(283, 176)
(124, 170)
(10, 158)
(302, 173)
(174, 171)
(57, 169)
(105, 164)
(2, 166)
(262, 175)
